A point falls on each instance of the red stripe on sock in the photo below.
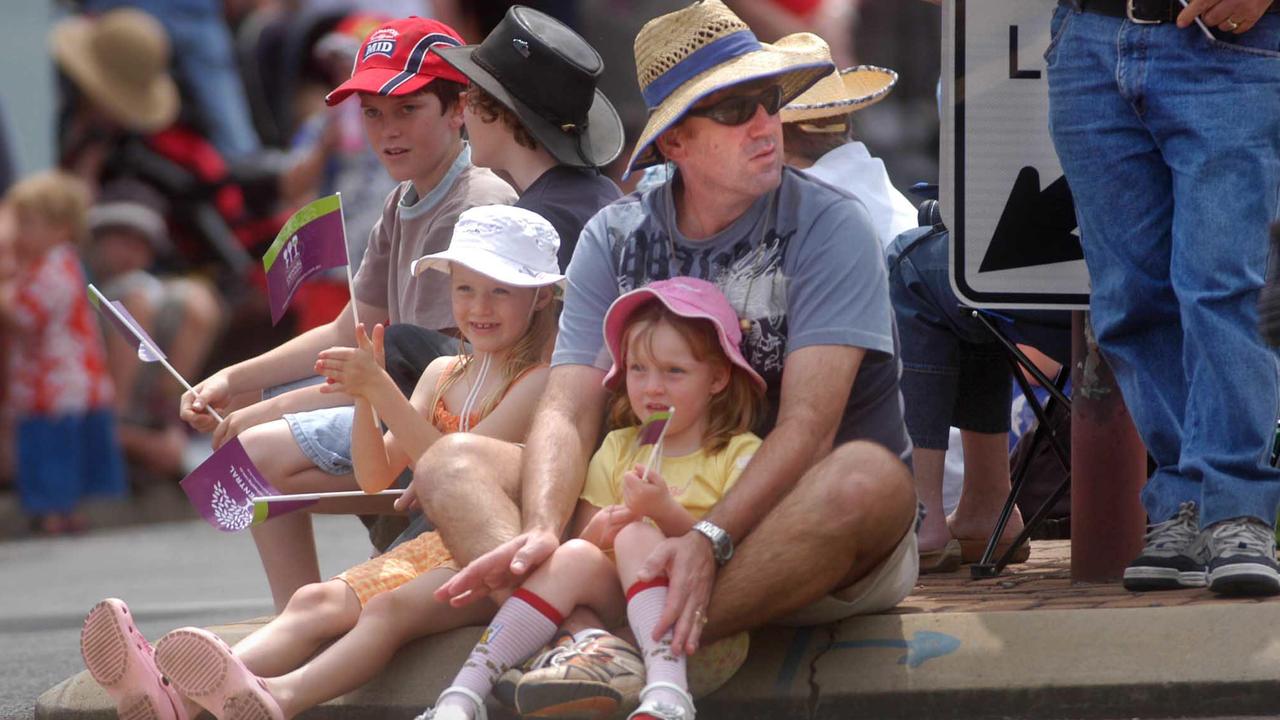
(542, 606)
(642, 586)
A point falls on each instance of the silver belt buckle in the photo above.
(1128, 11)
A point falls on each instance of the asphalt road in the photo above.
(171, 574)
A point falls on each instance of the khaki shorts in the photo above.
(882, 588)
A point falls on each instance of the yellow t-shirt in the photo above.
(697, 480)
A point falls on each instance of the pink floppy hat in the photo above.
(686, 297)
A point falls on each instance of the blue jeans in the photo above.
(1171, 143)
(954, 372)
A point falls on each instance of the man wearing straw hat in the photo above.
(820, 526)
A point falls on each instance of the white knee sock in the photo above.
(522, 626)
(644, 608)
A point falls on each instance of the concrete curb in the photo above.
(1095, 663)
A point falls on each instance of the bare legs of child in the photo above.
(287, 544)
(268, 675)
(577, 574)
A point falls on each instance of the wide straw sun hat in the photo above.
(689, 54)
(120, 60)
(839, 94)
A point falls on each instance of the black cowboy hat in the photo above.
(546, 74)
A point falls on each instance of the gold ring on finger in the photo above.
(1232, 24)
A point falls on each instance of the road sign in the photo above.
(1014, 241)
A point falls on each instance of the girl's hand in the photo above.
(647, 497)
(354, 370)
(605, 524)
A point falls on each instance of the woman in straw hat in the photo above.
(801, 266)
(817, 130)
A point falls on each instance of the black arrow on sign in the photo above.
(1036, 226)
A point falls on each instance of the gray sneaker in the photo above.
(1174, 556)
(1242, 558)
(590, 680)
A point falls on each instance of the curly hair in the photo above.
(490, 109)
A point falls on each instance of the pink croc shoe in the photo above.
(203, 668)
(123, 663)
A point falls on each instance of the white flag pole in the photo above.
(351, 289)
(104, 302)
(657, 446)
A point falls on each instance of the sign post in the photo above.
(1013, 229)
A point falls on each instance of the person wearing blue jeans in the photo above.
(1169, 134)
(954, 373)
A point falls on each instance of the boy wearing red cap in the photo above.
(412, 116)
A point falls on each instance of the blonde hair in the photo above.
(732, 411)
(529, 351)
(57, 197)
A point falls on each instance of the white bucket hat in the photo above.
(509, 244)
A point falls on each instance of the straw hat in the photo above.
(686, 55)
(120, 60)
(841, 93)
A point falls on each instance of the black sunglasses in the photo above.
(738, 109)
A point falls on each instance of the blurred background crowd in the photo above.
(183, 134)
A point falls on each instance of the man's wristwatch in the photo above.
(721, 543)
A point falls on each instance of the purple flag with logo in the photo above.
(128, 327)
(311, 241)
(222, 490)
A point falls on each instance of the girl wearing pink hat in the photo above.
(674, 346)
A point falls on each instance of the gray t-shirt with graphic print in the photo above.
(802, 264)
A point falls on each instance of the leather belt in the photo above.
(1139, 11)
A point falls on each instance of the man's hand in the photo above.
(1233, 16)
(501, 568)
(690, 568)
(647, 497)
(354, 371)
(213, 392)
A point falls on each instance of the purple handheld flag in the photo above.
(312, 240)
(222, 490)
(651, 433)
(128, 327)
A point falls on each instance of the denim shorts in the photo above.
(324, 436)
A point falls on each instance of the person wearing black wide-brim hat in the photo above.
(533, 112)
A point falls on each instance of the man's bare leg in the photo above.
(469, 485)
(845, 515)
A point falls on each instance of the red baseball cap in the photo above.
(394, 59)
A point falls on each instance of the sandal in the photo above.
(971, 551)
(945, 559)
(452, 712)
(651, 709)
(122, 661)
(202, 667)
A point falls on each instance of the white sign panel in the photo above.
(1013, 230)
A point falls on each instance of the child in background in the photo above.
(674, 344)
(59, 388)
(502, 266)
(128, 235)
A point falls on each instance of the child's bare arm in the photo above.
(650, 497)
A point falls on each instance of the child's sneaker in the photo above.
(663, 701)
(453, 711)
(1242, 558)
(204, 669)
(590, 680)
(1174, 555)
(123, 663)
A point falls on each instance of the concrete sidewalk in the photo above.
(1028, 644)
